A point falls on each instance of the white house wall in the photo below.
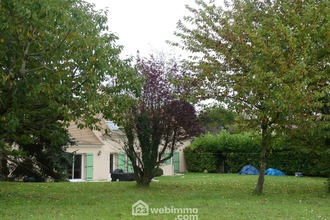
(101, 163)
(113, 145)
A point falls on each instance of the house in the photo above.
(97, 154)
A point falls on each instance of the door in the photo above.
(76, 168)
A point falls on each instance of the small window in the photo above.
(112, 126)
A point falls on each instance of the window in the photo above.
(75, 170)
(112, 126)
(112, 162)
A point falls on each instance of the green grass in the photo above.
(216, 196)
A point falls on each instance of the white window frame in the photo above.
(81, 168)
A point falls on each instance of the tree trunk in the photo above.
(143, 177)
(4, 171)
(263, 157)
(143, 181)
(222, 163)
(263, 165)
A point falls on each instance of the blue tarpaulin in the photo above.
(274, 172)
(249, 170)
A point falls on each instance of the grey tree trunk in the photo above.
(263, 157)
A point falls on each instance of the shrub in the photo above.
(158, 172)
(207, 152)
(287, 161)
(237, 161)
(199, 160)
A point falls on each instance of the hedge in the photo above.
(238, 150)
(287, 162)
(198, 160)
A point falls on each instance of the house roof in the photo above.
(83, 136)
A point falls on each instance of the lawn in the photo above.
(216, 196)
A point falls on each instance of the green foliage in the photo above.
(198, 160)
(54, 56)
(158, 172)
(243, 149)
(237, 161)
(226, 142)
(287, 162)
(207, 152)
(216, 119)
(44, 157)
(268, 60)
(153, 119)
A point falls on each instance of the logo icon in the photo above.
(140, 208)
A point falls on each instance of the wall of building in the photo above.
(113, 145)
(101, 161)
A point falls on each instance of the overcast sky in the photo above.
(144, 25)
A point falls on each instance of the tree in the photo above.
(44, 157)
(313, 138)
(216, 119)
(268, 60)
(54, 55)
(155, 121)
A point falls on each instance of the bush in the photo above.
(238, 150)
(237, 161)
(287, 162)
(199, 160)
(158, 172)
(226, 142)
(208, 151)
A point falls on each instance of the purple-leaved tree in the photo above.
(157, 120)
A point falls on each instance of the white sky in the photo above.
(144, 25)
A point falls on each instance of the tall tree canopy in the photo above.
(268, 60)
(54, 55)
(155, 120)
(217, 119)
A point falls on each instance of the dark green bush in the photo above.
(226, 142)
(158, 172)
(243, 149)
(237, 161)
(208, 151)
(199, 160)
(287, 162)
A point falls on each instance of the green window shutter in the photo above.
(169, 160)
(129, 166)
(89, 166)
(176, 161)
(121, 161)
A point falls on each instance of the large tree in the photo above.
(268, 60)
(217, 119)
(154, 120)
(54, 55)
